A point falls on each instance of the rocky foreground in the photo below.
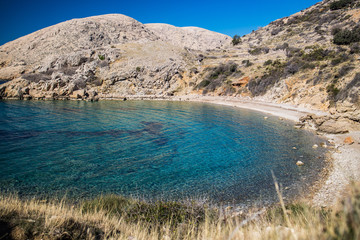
(309, 60)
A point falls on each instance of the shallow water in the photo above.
(153, 149)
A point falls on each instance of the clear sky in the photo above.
(21, 17)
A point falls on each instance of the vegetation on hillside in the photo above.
(336, 5)
(346, 36)
(236, 40)
(113, 217)
(219, 76)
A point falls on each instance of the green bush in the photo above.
(339, 59)
(247, 63)
(340, 4)
(236, 40)
(255, 51)
(346, 36)
(203, 84)
(217, 76)
(332, 90)
(317, 54)
(268, 62)
(101, 57)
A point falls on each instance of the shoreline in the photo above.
(344, 160)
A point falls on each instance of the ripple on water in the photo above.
(155, 149)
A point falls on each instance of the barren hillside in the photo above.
(309, 59)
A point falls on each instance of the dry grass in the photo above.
(112, 217)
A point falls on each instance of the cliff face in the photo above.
(309, 59)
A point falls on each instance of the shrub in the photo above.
(255, 51)
(335, 30)
(292, 68)
(308, 65)
(340, 4)
(296, 64)
(101, 57)
(217, 76)
(247, 63)
(340, 59)
(236, 40)
(268, 62)
(332, 90)
(343, 37)
(203, 84)
(346, 36)
(317, 54)
(291, 52)
(259, 50)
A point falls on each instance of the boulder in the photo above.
(299, 163)
(334, 127)
(92, 96)
(78, 94)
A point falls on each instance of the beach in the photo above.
(345, 158)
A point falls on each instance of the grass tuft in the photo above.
(116, 217)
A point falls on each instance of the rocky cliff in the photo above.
(310, 59)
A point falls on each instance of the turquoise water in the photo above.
(152, 149)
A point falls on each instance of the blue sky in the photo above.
(230, 17)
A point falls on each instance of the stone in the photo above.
(299, 163)
(349, 140)
(27, 97)
(78, 94)
(92, 95)
(334, 127)
(323, 145)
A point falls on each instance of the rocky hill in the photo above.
(190, 37)
(310, 59)
(110, 55)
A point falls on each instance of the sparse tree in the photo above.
(236, 40)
